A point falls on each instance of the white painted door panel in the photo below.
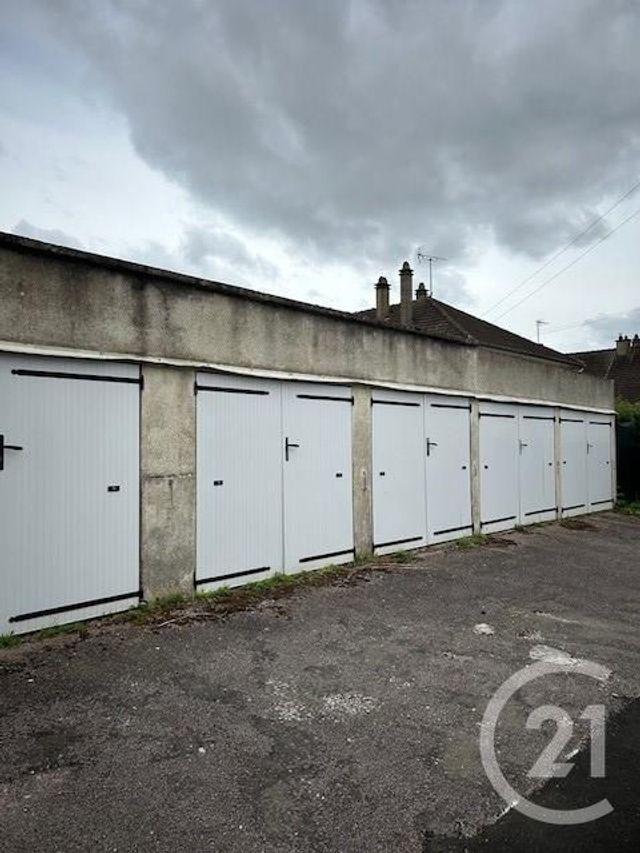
(318, 501)
(399, 509)
(69, 499)
(239, 452)
(573, 463)
(599, 462)
(499, 480)
(537, 471)
(448, 464)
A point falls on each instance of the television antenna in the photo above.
(430, 259)
(539, 324)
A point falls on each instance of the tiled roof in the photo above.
(444, 321)
(623, 369)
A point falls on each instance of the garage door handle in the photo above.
(287, 445)
(4, 447)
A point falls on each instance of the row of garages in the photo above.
(535, 463)
(274, 478)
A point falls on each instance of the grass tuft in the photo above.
(78, 628)
(8, 641)
(400, 557)
(628, 507)
(471, 541)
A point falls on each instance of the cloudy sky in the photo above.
(305, 147)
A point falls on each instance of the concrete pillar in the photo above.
(475, 466)
(361, 435)
(168, 481)
(406, 295)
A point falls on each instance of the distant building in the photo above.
(620, 363)
(438, 319)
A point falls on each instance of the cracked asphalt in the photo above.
(342, 718)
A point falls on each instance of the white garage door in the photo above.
(599, 462)
(239, 450)
(399, 507)
(318, 499)
(448, 467)
(537, 470)
(573, 467)
(69, 490)
(499, 473)
(274, 478)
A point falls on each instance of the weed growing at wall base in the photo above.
(628, 507)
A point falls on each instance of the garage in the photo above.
(600, 436)
(448, 467)
(69, 490)
(398, 471)
(239, 488)
(517, 471)
(573, 463)
(499, 467)
(421, 469)
(318, 498)
(274, 487)
(586, 462)
(537, 480)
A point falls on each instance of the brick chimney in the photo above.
(421, 292)
(406, 295)
(382, 298)
(623, 346)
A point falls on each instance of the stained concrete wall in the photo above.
(58, 298)
(66, 299)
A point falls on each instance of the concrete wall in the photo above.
(57, 298)
(65, 300)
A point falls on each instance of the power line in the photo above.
(569, 265)
(563, 250)
(566, 328)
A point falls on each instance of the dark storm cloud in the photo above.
(359, 130)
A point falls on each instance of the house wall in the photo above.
(60, 299)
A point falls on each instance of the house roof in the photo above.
(435, 317)
(623, 369)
